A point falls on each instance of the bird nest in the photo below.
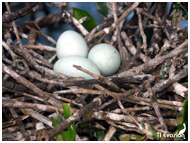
(141, 101)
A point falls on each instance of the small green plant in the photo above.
(70, 133)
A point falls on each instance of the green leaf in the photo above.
(90, 23)
(70, 134)
(67, 110)
(56, 121)
(104, 8)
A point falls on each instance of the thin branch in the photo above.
(100, 78)
(110, 133)
(75, 117)
(111, 28)
(18, 104)
(38, 116)
(31, 86)
(155, 105)
(61, 4)
(144, 46)
(20, 13)
(154, 62)
(76, 23)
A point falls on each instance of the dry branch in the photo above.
(20, 13)
(75, 117)
(154, 62)
(150, 87)
(17, 104)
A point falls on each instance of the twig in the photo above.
(75, 117)
(18, 136)
(31, 86)
(40, 32)
(172, 68)
(155, 105)
(164, 48)
(163, 106)
(128, 11)
(61, 4)
(131, 47)
(171, 33)
(125, 128)
(18, 104)
(14, 26)
(132, 109)
(52, 59)
(177, 88)
(111, 28)
(144, 46)
(117, 30)
(160, 101)
(145, 26)
(161, 86)
(105, 91)
(26, 54)
(103, 115)
(117, 36)
(110, 133)
(25, 94)
(89, 37)
(67, 100)
(25, 82)
(7, 37)
(43, 70)
(180, 89)
(40, 47)
(13, 55)
(148, 15)
(41, 58)
(20, 13)
(14, 121)
(16, 128)
(126, 113)
(76, 23)
(107, 104)
(153, 62)
(38, 116)
(100, 78)
(105, 23)
(75, 90)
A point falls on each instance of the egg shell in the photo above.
(106, 58)
(71, 43)
(65, 66)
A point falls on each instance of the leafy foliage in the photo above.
(70, 134)
(90, 23)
